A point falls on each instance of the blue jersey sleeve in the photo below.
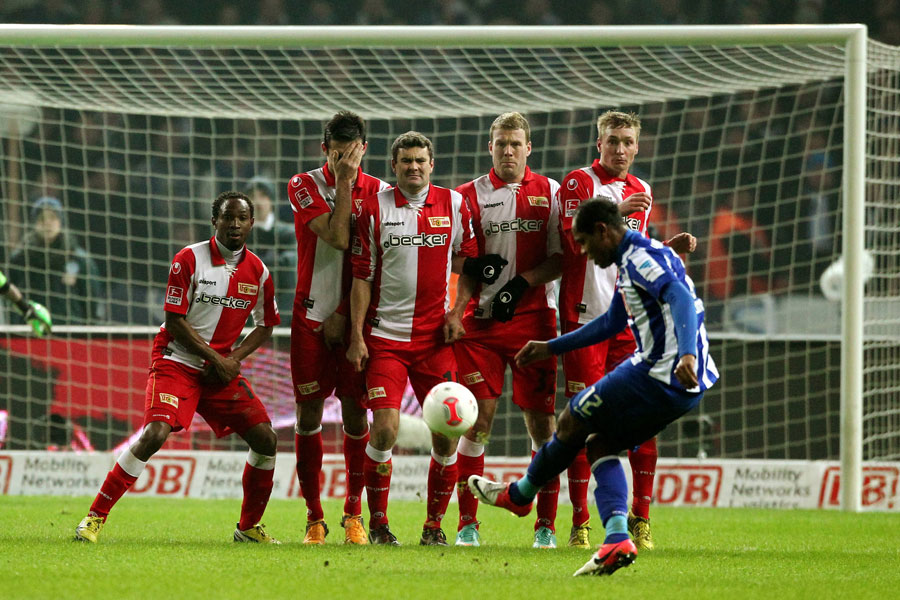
(679, 299)
(603, 327)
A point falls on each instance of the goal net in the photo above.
(135, 130)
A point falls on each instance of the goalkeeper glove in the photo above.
(38, 317)
(485, 268)
(503, 306)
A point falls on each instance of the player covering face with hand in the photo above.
(326, 202)
(664, 378)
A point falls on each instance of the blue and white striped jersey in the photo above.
(645, 267)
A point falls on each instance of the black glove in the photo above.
(485, 269)
(503, 306)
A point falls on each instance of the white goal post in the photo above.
(830, 79)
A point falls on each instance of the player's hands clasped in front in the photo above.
(531, 352)
(682, 243)
(357, 353)
(453, 327)
(503, 306)
(346, 164)
(39, 318)
(637, 202)
(686, 371)
(485, 269)
(221, 371)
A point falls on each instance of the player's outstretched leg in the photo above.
(611, 495)
(497, 494)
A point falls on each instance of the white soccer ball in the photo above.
(449, 409)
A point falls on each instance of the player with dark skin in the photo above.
(232, 225)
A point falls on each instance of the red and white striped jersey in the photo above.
(323, 272)
(405, 252)
(520, 222)
(585, 289)
(215, 300)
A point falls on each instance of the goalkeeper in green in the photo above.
(34, 314)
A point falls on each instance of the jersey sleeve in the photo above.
(364, 252)
(464, 242)
(575, 188)
(306, 201)
(180, 286)
(265, 312)
(554, 239)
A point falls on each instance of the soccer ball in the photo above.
(449, 409)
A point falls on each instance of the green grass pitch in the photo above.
(180, 548)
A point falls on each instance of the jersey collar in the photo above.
(499, 183)
(400, 199)
(605, 177)
(330, 179)
(216, 255)
(626, 242)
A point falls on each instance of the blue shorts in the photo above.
(627, 407)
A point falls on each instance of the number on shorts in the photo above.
(243, 383)
(588, 401)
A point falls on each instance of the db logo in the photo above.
(332, 480)
(879, 487)
(505, 471)
(166, 476)
(688, 485)
(6, 464)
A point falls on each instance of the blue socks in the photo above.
(553, 458)
(612, 498)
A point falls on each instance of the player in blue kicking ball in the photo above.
(664, 378)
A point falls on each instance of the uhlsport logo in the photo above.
(514, 225)
(426, 240)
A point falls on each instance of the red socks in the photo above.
(308, 450)
(117, 482)
(546, 503)
(579, 474)
(441, 479)
(643, 472)
(257, 484)
(468, 504)
(354, 459)
(378, 486)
